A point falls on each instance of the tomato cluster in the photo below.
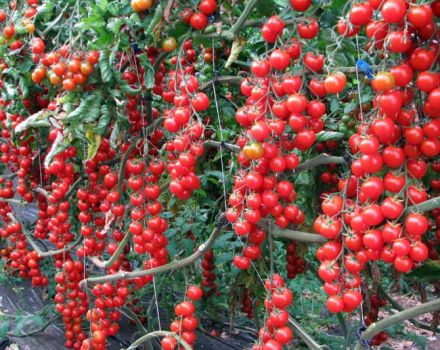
(376, 302)
(71, 302)
(247, 303)
(295, 263)
(199, 20)
(276, 333)
(67, 69)
(186, 323)
(182, 122)
(209, 277)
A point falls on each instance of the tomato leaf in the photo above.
(114, 135)
(4, 326)
(59, 145)
(329, 135)
(104, 66)
(104, 120)
(94, 141)
(37, 120)
(427, 272)
(149, 71)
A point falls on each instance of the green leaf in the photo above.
(79, 112)
(104, 66)
(334, 105)
(37, 120)
(103, 4)
(158, 14)
(104, 120)
(94, 110)
(305, 178)
(149, 71)
(429, 271)
(94, 141)
(265, 7)
(178, 29)
(87, 111)
(329, 135)
(4, 326)
(23, 86)
(349, 107)
(115, 24)
(105, 39)
(59, 145)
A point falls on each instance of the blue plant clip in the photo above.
(135, 48)
(365, 68)
(359, 332)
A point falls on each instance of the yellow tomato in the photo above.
(253, 151)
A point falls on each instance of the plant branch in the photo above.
(108, 263)
(174, 265)
(410, 313)
(36, 331)
(225, 145)
(399, 307)
(425, 206)
(305, 337)
(155, 334)
(298, 236)
(232, 33)
(322, 159)
(35, 246)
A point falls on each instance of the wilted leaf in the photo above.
(37, 120)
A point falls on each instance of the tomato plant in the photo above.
(219, 141)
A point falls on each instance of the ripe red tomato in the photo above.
(335, 83)
(208, 7)
(416, 224)
(403, 264)
(393, 11)
(335, 304)
(282, 298)
(300, 5)
(352, 299)
(328, 271)
(309, 29)
(419, 252)
(283, 335)
(373, 239)
(279, 59)
(185, 309)
(198, 21)
(169, 343)
(420, 16)
(194, 293)
(361, 13)
(392, 208)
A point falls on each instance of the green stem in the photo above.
(399, 307)
(155, 334)
(425, 206)
(36, 331)
(131, 148)
(341, 321)
(232, 33)
(174, 265)
(322, 159)
(131, 315)
(305, 337)
(298, 236)
(407, 314)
